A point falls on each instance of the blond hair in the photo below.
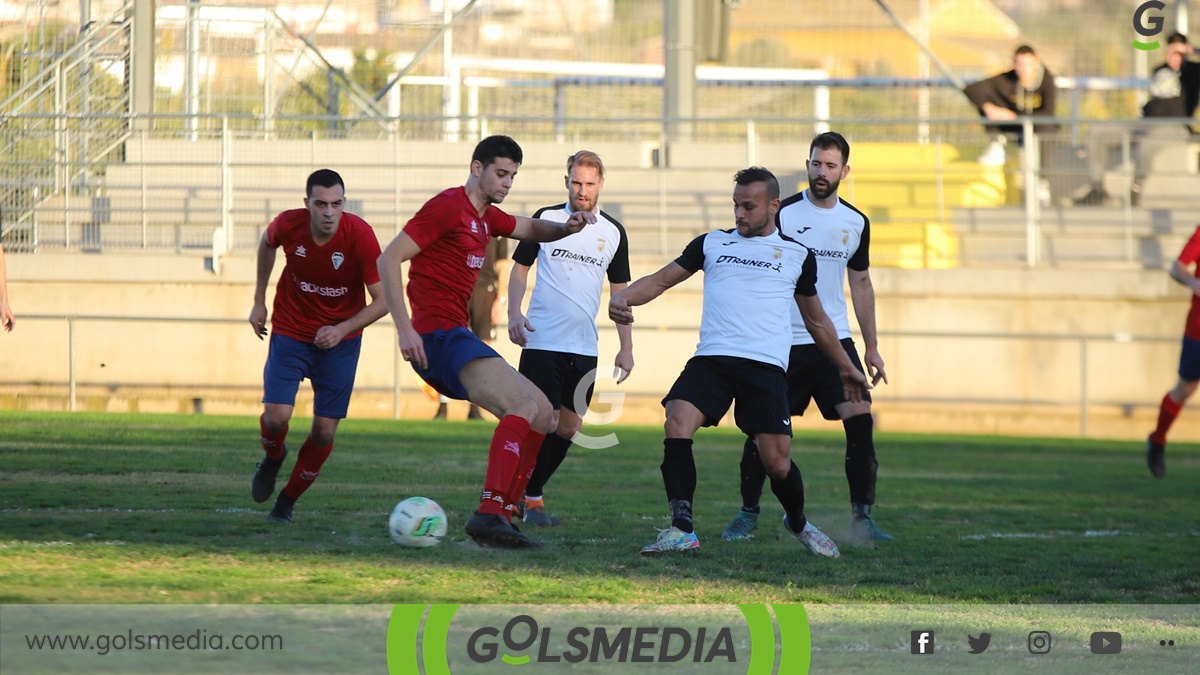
(586, 158)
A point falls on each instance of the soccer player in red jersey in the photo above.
(446, 241)
(1189, 359)
(316, 331)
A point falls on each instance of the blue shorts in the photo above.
(331, 372)
(447, 351)
(1189, 360)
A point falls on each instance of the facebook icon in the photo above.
(922, 642)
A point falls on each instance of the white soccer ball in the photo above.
(417, 522)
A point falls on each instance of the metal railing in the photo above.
(940, 386)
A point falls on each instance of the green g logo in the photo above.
(1148, 27)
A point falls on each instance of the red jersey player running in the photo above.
(1189, 359)
(446, 241)
(316, 332)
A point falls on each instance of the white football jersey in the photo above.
(570, 279)
(749, 284)
(839, 238)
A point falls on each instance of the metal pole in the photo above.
(751, 144)
(1127, 189)
(71, 363)
(1028, 159)
(679, 72)
(226, 184)
(145, 240)
(1083, 388)
(192, 75)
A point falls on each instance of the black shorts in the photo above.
(561, 376)
(711, 383)
(811, 375)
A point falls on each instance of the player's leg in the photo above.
(288, 362)
(568, 381)
(1172, 404)
(479, 319)
(762, 410)
(700, 397)
(861, 465)
(332, 380)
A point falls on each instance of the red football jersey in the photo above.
(321, 285)
(453, 240)
(1190, 256)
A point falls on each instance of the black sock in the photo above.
(861, 466)
(550, 457)
(790, 492)
(679, 478)
(753, 476)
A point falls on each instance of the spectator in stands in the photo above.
(6, 313)
(1174, 92)
(1027, 89)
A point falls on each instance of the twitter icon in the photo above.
(979, 644)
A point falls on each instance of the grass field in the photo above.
(150, 509)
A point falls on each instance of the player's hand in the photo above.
(579, 220)
(412, 348)
(855, 384)
(258, 320)
(874, 363)
(7, 316)
(623, 365)
(328, 337)
(517, 327)
(619, 310)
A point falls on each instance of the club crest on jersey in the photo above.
(474, 227)
(600, 243)
(338, 259)
(300, 252)
(845, 237)
(778, 252)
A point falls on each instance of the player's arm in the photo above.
(518, 325)
(329, 337)
(862, 294)
(540, 229)
(825, 335)
(624, 359)
(401, 250)
(1182, 274)
(644, 290)
(266, 262)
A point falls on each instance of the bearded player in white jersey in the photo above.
(558, 335)
(839, 235)
(752, 276)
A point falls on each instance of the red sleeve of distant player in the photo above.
(1191, 250)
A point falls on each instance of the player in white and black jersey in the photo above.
(752, 276)
(559, 333)
(839, 236)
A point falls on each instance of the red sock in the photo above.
(308, 467)
(1167, 412)
(272, 443)
(529, 453)
(503, 456)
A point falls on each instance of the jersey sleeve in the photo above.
(692, 258)
(431, 221)
(806, 285)
(502, 224)
(618, 269)
(861, 260)
(526, 253)
(274, 230)
(1191, 250)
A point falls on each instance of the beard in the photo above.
(823, 191)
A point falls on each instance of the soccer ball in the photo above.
(417, 522)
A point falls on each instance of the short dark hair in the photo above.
(1024, 49)
(1176, 38)
(757, 174)
(325, 178)
(831, 139)
(494, 147)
